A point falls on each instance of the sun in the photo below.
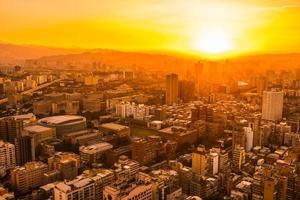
(214, 42)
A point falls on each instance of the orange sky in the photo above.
(190, 26)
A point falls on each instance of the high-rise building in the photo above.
(261, 84)
(223, 161)
(144, 151)
(198, 70)
(213, 159)
(238, 158)
(171, 89)
(272, 105)
(7, 155)
(38, 134)
(23, 149)
(186, 91)
(199, 161)
(203, 186)
(270, 188)
(29, 176)
(254, 123)
(66, 163)
(249, 138)
(238, 138)
(10, 128)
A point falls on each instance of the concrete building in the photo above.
(7, 155)
(119, 130)
(141, 189)
(172, 89)
(272, 105)
(199, 161)
(238, 158)
(66, 163)
(10, 128)
(23, 149)
(64, 124)
(29, 176)
(249, 138)
(94, 153)
(213, 165)
(203, 186)
(38, 134)
(144, 150)
(80, 188)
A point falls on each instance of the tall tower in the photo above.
(199, 161)
(272, 105)
(172, 89)
(238, 158)
(10, 128)
(198, 70)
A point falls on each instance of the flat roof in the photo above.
(98, 147)
(61, 119)
(114, 126)
(37, 128)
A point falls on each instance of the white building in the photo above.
(214, 163)
(249, 138)
(7, 155)
(272, 105)
(128, 109)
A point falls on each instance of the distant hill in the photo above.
(14, 53)
(105, 58)
(122, 59)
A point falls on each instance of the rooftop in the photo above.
(37, 128)
(113, 126)
(95, 148)
(61, 119)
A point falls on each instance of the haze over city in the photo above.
(150, 100)
(204, 27)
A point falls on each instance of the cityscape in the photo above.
(149, 100)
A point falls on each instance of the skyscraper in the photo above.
(199, 161)
(238, 158)
(198, 70)
(172, 89)
(272, 105)
(10, 128)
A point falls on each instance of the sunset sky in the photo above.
(190, 26)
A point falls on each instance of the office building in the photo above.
(80, 188)
(23, 148)
(94, 153)
(238, 158)
(213, 163)
(144, 150)
(249, 138)
(272, 105)
(10, 128)
(199, 161)
(66, 163)
(38, 134)
(7, 155)
(29, 176)
(172, 89)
